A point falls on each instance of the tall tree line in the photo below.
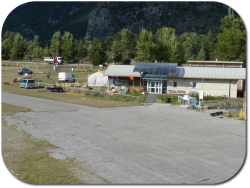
(163, 46)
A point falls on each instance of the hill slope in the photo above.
(92, 19)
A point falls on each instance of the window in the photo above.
(194, 84)
(175, 84)
(145, 83)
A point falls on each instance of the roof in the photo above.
(183, 72)
(97, 74)
(121, 70)
(155, 67)
(209, 73)
(226, 62)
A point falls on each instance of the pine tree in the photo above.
(19, 47)
(56, 40)
(231, 44)
(202, 55)
(69, 47)
(81, 50)
(146, 47)
(96, 54)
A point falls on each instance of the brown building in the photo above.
(225, 64)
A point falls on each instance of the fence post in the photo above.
(238, 104)
(224, 103)
(231, 107)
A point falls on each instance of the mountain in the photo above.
(88, 20)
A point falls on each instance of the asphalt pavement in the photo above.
(152, 144)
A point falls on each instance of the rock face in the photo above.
(100, 23)
(101, 19)
(111, 17)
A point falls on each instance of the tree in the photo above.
(231, 44)
(56, 40)
(169, 48)
(19, 47)
(146, 47)
(81, 50)
(120, 48)
(7, 44)
(37, 52)
(202, 55)
(109, 41)
(69, 47)
(96, 54)
(46, 51)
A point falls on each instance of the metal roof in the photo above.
(183, 72)
(209, 73)
(155, 67)
(226, 62)
(121, 70)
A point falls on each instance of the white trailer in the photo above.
(53, 60)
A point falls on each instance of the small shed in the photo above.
(97, 79)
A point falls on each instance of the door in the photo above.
(154, 87)
(123, 86)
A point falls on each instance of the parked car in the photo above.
(27, 83)
(66, 77)
(24, 70)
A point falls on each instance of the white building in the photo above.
(167, 78)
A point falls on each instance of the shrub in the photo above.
(86, 92)
(95, 94)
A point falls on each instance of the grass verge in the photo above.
(28, 159)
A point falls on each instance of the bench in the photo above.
(181, 92)
(193, 92)
(171, 91)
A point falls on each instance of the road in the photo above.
(152, 144)
(43, 63)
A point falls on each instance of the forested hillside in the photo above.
(89, 31)
(101, 19)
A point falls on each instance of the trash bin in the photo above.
(192, 106)
(168, 99)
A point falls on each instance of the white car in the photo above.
(27, 83)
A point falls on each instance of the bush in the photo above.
(95, 94)
(86, 92)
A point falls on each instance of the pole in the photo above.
(117, 87)
(133, 88)
(224, 103)
(238, 104)
(42, 73)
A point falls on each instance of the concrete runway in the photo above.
(152, 144)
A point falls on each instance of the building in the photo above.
(222, 64)
(167, 78)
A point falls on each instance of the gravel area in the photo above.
(152, 144)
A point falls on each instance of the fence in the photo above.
(95, 93)
(224, 103)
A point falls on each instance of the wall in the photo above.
(210, 86)
(130, 83)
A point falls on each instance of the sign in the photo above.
(201, 93)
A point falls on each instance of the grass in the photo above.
(9, 72)
(174, 99)
(28, 158)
